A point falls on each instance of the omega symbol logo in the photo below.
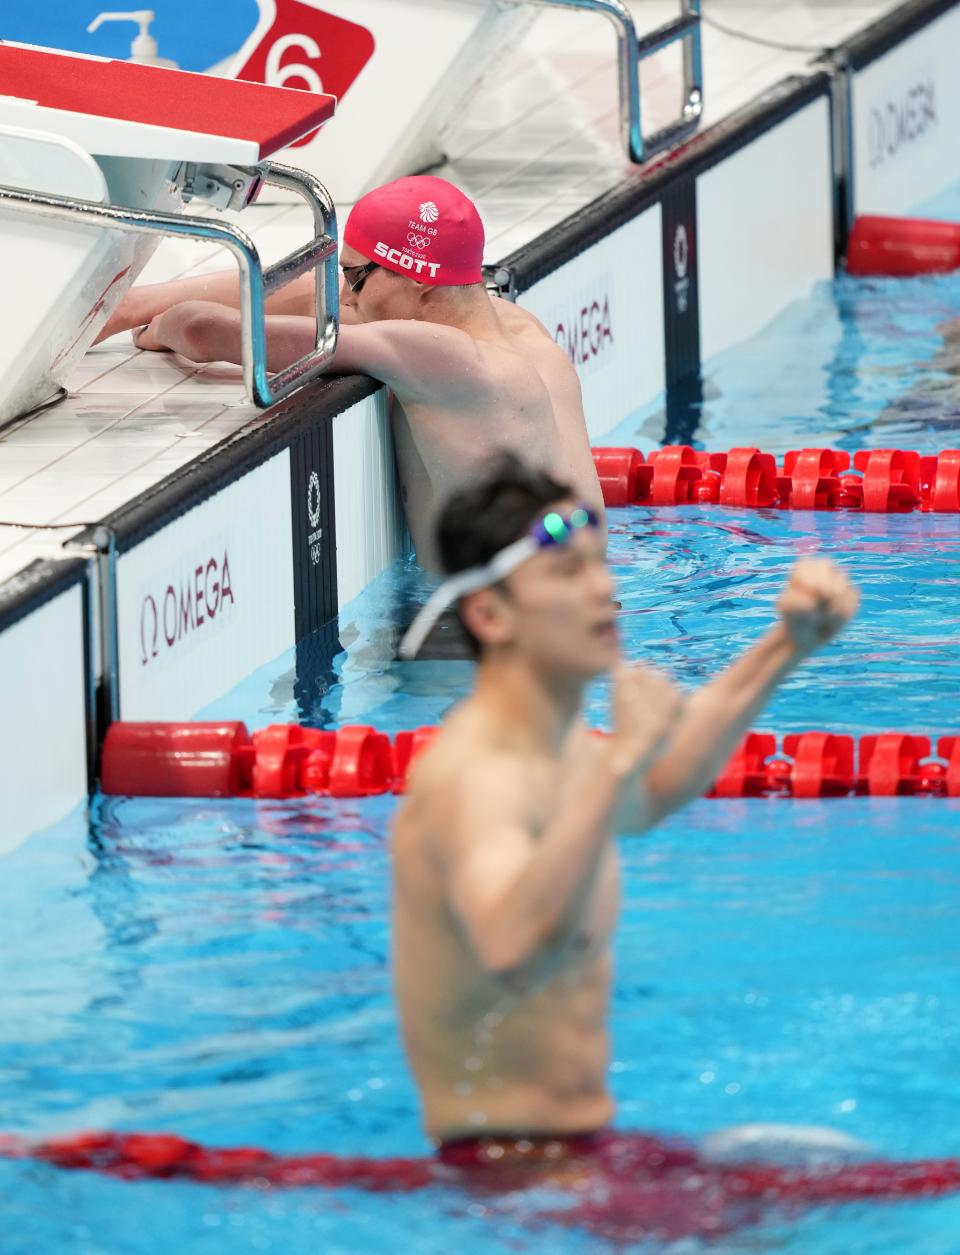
(313, 499)
(429, 212)
(418, 241)
(681, 252)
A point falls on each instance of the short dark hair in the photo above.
(492, 512)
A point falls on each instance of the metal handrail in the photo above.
(632, 49)
(255, 282)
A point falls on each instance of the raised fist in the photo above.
(646, 707)
(817, 603)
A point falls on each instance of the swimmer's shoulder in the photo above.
(514, 318)
(461, 747)
(461, 769)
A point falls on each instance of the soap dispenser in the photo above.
(144, 48)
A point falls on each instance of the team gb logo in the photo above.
(429, 212)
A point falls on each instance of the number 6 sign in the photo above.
(307, 48)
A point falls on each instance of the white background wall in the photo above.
(906, 111)
(170, 667)
(607, 306)
(370, 527)
(43, 769)
(765, 227)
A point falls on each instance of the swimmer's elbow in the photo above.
(206, 335)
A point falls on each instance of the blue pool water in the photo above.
(220, 970)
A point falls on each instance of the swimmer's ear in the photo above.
(488, 615)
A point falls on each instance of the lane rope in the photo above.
(621, 1185)
(881, 481)
(213, 760)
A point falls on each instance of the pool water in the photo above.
(220, 970)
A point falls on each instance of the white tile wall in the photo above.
(370, 527)
(788, 171)
(43, 772)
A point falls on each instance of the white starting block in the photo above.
(97, 160)
(405, 71)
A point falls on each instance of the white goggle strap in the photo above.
(459, 585)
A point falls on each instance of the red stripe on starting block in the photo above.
(271, 117)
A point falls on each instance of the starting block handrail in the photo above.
(632, 49)
(310, 189)
(255, 282)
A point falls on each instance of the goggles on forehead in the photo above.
(553, 529)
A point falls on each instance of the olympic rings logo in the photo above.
(421, 242)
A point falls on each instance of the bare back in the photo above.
(489, 1058)
(527, 399)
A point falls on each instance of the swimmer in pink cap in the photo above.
(421, 227)
(468, 374)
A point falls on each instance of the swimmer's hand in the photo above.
(817, 603)
(646, 709)
(194, 329)
(147, 338)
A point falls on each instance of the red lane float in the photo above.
(283, 761)
(887, 481)
(901, 247)
(619, 472)
(623, 1186)
(223, 760)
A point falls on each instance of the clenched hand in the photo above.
(817, 603)
(646, 708)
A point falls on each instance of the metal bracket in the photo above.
(224, 187)
(501, 281)
(632, 49)
(256, 284)
(841, 90)
(101, 546)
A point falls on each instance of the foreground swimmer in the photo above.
(505, 870)
(506, 894)
(468, 373)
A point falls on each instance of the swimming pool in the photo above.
(220, 969)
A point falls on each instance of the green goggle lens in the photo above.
(555, 527)
(558, 529)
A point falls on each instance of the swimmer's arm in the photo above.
(419, 361)
(206, 332)
(520, 896)
(143, 304)
(815, 606)
(714, 721)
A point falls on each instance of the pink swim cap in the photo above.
(420, 226)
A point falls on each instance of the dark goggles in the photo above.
(356, 276)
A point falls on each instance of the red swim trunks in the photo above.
(633, 1186)
(625, 1186)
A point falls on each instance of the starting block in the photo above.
(97, 160)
